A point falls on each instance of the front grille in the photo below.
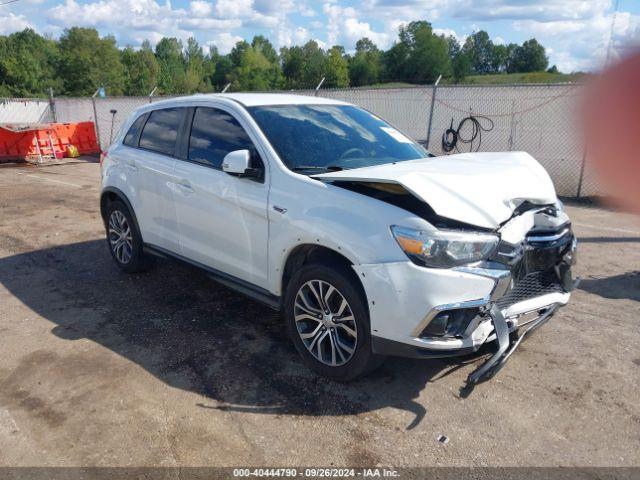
(530, 286)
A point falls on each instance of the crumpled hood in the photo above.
(479, 188)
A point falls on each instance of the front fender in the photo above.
(306, 211)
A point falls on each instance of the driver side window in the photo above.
(214, 133)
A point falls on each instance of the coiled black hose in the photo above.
(452, 136)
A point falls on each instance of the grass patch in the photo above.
(509, 78)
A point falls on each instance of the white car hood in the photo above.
(479, 188)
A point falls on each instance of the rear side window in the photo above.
(214, 133)
(161, 131)
(131, 138)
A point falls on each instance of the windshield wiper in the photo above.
(327, 168)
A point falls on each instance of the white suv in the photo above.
(369, 244)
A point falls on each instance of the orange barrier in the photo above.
(20, 141)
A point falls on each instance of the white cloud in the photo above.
(234, 8)
(321, 44)
(582, 44)
(541, 10)
(133, 21)
(306, 11)
(201, 8)
(483, 10)
(344, 27)
(447, 32)
(10, 23)
(575, 32)
(287, 37)
(224, 41)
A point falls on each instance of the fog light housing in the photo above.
(449, 323)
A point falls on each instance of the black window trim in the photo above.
(187, 139)
(136, 143)
(179, 133)
(184, 136)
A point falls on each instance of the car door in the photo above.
(153, 164)
(222, 218)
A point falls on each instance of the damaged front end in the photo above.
(532, 268)
(502, 200)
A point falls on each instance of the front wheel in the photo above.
(328, 320)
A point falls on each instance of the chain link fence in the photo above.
(25, 110)
(538, 119)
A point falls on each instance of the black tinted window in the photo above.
(161, 131)
(131, 138)
(215, 133)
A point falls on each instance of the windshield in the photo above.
(317, 138)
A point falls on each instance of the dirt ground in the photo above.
(100, 368)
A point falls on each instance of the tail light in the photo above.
(103, 155)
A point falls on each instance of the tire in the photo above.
(126, 247)
(329, 355)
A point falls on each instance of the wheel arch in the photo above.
(111, 194)
(309, 253)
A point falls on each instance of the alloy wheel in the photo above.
(120, 237)
(325, 323)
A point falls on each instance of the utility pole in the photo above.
(613, 24)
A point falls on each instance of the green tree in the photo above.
(365, 66)
(500, 58)
(480, 49)
(394, 62)
(314, 67)
(28, 64)
(237, 51)
(454, 46)
(255, 66)
(428, 53)
(461, 66)
(88, 62)
(209, 67)
(141, 70)
(529, 57)
(292, 59)
(194, 67)
(172, 69)
(264, 46)
(337, 73)
(223, 72)
(274, 73)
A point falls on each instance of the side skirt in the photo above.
(237, 284)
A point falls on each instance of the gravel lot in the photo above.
(99, 368)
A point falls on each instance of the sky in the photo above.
(575, 32)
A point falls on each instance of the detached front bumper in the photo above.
(404, 299)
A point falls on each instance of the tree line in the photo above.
(80, 61)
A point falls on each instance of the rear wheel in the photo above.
(124, 239)
(328, 320)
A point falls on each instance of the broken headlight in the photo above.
(445, 248)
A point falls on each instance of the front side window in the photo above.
(317, 138)
(161, 131)
(131, 138)
(214, 133)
